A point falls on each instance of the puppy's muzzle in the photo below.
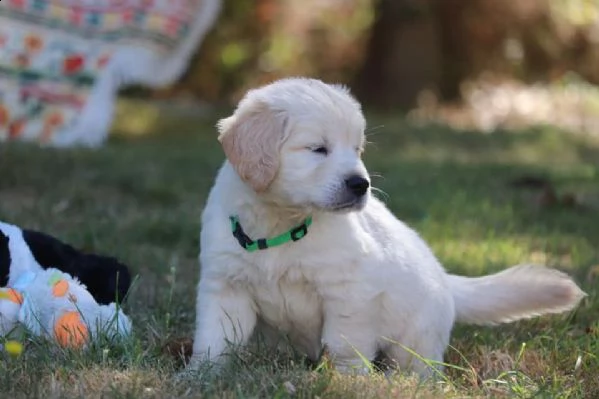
(357, 185)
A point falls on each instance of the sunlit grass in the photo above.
(140, 198)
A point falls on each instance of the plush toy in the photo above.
(52, 304)
(26, 250)
(56, 303)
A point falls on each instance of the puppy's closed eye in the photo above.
(320, 150)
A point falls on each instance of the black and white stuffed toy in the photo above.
(54, 290)
(105, 277)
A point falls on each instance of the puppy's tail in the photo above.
(519, 292)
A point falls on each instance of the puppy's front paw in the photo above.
(352, 367)
(188, 375)
(198, 368)
(195, 370)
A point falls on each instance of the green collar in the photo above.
(250, 245)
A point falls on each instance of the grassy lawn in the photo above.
(140, 198)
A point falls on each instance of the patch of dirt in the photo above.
(180, 349)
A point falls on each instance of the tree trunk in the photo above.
(388, 78)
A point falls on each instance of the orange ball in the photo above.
(70, 330)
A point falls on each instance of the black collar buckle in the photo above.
(241, 237)
(299, 232)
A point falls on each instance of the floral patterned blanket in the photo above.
(62, 62)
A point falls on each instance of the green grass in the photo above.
(140, 198)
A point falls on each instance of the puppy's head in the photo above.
(298, 142)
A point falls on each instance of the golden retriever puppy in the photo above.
(293, 239)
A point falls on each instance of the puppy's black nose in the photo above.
(357, 185)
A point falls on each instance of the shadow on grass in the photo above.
(438, 143)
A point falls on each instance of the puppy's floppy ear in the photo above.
(251, 139)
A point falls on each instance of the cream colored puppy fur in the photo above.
(360, 281)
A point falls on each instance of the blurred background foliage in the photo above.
(428, 55)
(255, 42)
